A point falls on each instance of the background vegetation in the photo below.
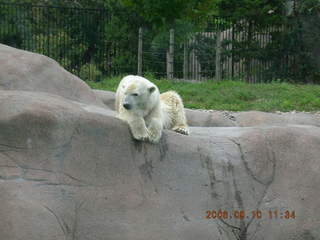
(103, 42)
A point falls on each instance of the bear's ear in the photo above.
(152, 89)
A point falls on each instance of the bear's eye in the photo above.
(134, 94)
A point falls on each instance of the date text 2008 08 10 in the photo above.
(257, 214)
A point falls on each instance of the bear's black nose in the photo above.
(127, 106)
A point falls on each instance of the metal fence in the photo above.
(74, 37)
(223, 50)
(91, 44)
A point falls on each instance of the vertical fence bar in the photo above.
(218, 56)
(170, 56)
(48, 31)
(185, 61)
(140, 52)
(168, 63)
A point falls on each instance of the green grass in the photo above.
(236, 95)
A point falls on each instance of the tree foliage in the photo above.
(260, 11)
(166, 12)
(109, 37)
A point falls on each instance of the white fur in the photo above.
(150, 112)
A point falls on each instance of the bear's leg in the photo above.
(180, 123)
(175, 110)
(138, 128)
(155, 130)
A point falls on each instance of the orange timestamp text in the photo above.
(256, 214)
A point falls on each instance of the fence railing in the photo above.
(87, 43)
(74, 37)
(227, 50)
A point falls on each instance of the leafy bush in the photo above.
(90, 71)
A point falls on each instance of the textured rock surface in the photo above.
(106, 97)
(70, 170)
(22, 70)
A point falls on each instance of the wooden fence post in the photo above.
(170, 56)
(168, 64)
(218, 56)
(140, 52)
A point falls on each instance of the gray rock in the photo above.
(107, 97)
(207, 119)
(22, 70)
(255, 118)
(71, 170)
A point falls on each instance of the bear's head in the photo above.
(140, 96)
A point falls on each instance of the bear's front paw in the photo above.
(140, 137)
(154, 138)
(181, 129)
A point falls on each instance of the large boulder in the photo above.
(27, 71)
(71, 170)
(107, 97)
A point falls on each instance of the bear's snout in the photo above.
(127, 106)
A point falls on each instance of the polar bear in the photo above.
(139, 103)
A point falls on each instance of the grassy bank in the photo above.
(236, 95)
